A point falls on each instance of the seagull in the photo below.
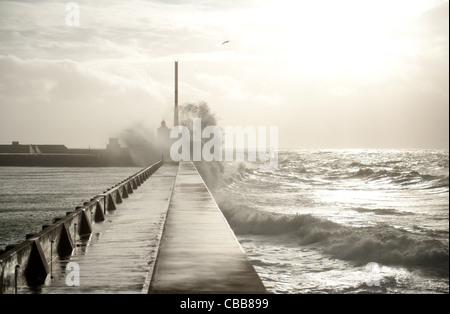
(225, 42)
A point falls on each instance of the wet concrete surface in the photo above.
(199, 252)
(169, 236)
(119, 255)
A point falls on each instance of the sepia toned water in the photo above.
(32, 196)
(325, 221)
(343, 221)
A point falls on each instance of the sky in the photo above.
(327, 73)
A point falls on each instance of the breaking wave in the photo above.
(381, 243)
(254, 202)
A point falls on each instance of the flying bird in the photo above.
(225, 42)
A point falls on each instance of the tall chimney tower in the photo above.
(175, 113)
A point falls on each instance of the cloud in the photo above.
(226, 86)
(61, 93)
(305, 66)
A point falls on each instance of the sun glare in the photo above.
(331, 39)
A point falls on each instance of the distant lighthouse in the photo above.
(163, 136)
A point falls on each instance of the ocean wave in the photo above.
(363, 172)
(439, 183)
(381, 243)
(382, 211)
(402, 179)
(291, 170)
(214, 175)
(387, 246)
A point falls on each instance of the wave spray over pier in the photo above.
(168, 237)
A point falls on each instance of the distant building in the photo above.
(17, 148)
(164, 141)
(163, 131)
(113, 144)
(25, 155)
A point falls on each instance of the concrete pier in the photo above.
(119, 256)
(199, 252)
(168, 236)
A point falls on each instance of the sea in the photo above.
(31, 197)
(327, 221)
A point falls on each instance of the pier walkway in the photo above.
(169, 236)
(199, 252)
(122, 249)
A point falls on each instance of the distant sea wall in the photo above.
(65, 160)
(32, 155)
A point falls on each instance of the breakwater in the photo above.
(30, 262)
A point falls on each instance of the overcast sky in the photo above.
(328, 73)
